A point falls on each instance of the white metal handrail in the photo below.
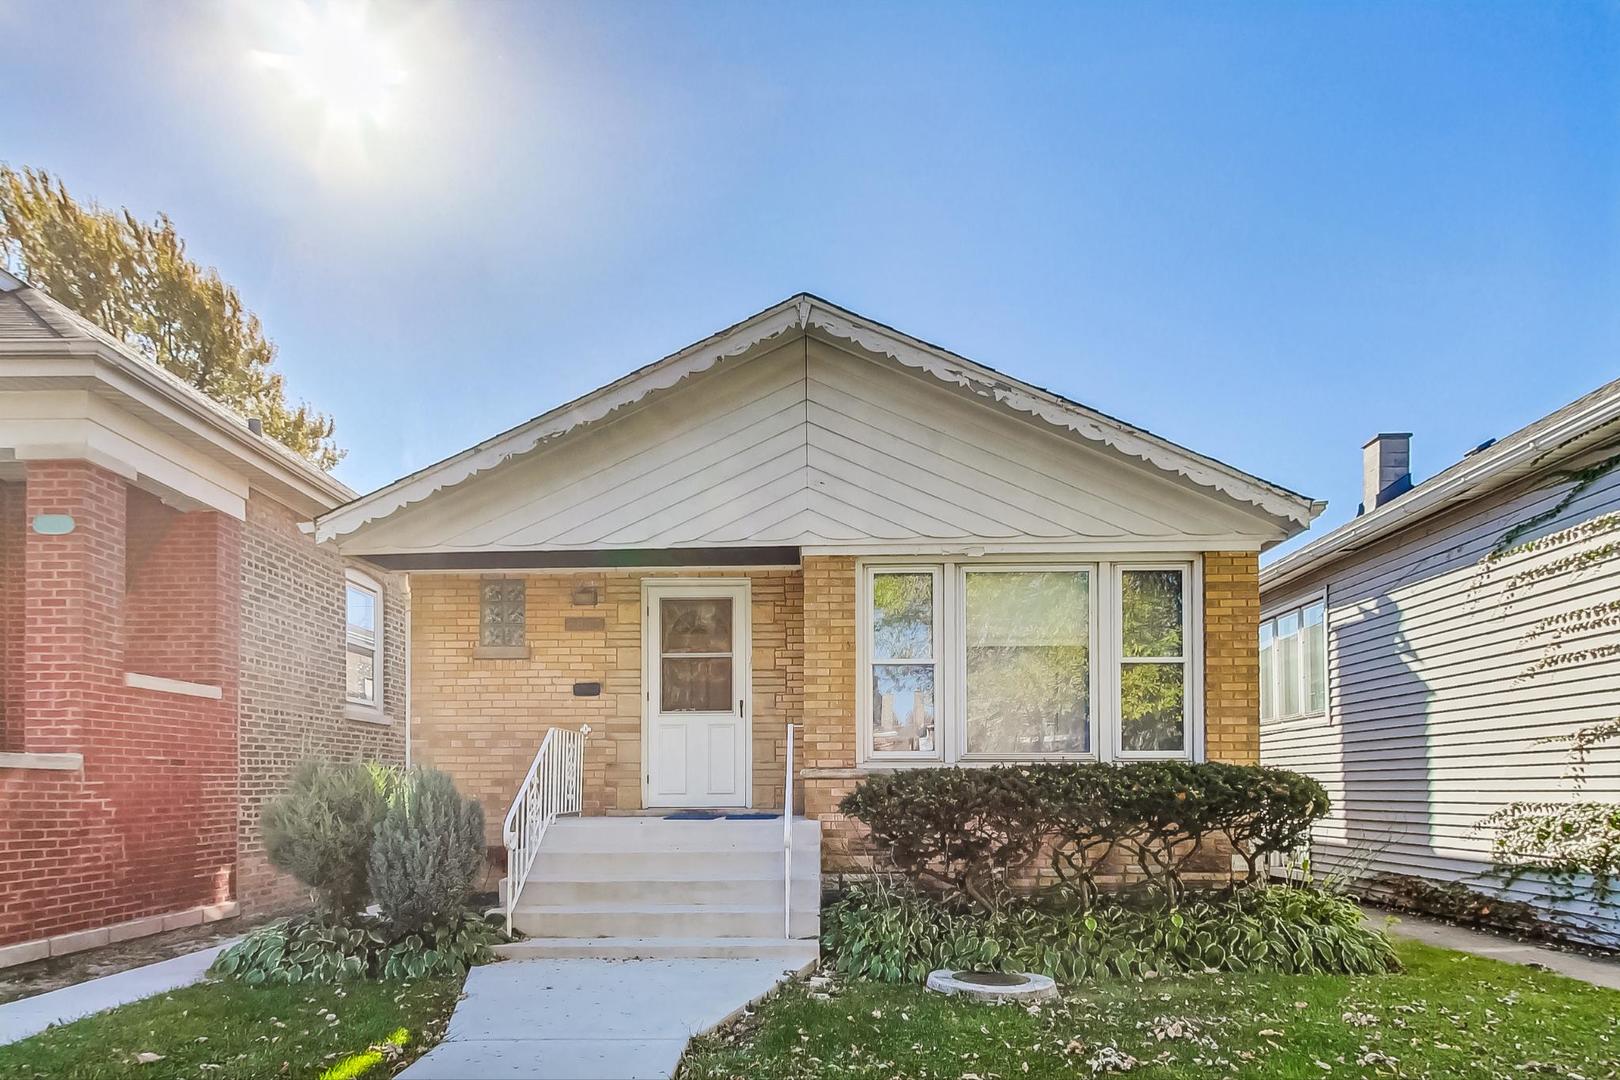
(555, 785)
(787, 841)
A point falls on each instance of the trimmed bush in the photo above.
(320, 830)
(970, 833)
(428, 852)
(900, 936)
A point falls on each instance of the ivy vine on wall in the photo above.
(1575, 844)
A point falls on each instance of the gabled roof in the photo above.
(45, 345)
(800, 315)
(1565, 434)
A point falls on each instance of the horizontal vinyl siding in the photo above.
(1435, 717)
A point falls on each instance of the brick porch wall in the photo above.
(482, 720)
(146, 827)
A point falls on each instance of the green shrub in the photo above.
(320, 830)
(428, 852)
(970, 832)
(307, 949)
(900, 936)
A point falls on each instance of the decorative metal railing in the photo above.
(554, 786)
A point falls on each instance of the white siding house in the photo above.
(1423, 669)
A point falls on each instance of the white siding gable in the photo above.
(811, 445)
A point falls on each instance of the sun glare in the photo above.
(332, 58)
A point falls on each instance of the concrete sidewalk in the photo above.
(1595, 970)
(590, 1019)
(31, 1015)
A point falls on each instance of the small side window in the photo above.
(501, 613)
(363, 641)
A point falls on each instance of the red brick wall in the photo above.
(292, 679)
(148, 826)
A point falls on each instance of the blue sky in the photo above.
(1263, 230)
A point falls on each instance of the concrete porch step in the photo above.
(574, 891)
(660, 920)
(796, 955)
(660, 865)
(631, 835)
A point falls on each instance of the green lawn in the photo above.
(231, 1031)
(1446, 1016)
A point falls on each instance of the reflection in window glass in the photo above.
(1288, 690)
(360, 644)
(1268, 672)
(1314, 659)
(1028, 663)
(1150, 601)
(1152, 701)
(902, 616)
(903, 663)
(903, 716)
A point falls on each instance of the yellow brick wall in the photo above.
(483, 719)
(1232, 657)
(829, 706)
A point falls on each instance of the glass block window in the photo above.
(501, 613)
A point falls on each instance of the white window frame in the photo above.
(950, 648)
(356, 707)
(1189, 627)
(865, 661)
(959, 731)
(1297, 606)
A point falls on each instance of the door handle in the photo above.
(739, 708)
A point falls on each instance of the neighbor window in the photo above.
(1293, 662)
(501, 603)
(363, 640)
(982, 661)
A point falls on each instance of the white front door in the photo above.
(696, 736)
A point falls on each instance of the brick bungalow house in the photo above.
(809, 522)
(172, 641)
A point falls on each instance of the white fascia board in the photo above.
(799, 314)
(1506, 460)
(77, 425)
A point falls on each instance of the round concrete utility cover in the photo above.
(992, 985)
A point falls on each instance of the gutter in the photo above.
(1435, 494)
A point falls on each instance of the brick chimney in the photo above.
(1386, 468)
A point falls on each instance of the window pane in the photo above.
(696, 625)
(362, 610)
(1288, 703)
(1151, 601)
(361, 684)
(902, 707)
(1028, 663)
(1151, 705)
(1314, 658)
(902, 616)
(501, 612)
(695, 684)
(1268, 666)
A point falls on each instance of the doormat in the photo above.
(692, 815)
(753, 817)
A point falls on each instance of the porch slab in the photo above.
(591, 1019)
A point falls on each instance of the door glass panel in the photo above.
(695, 668)
(701, 625)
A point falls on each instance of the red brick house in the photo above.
(172, 641)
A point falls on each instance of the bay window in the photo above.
(1293, 662)
(1023, 660)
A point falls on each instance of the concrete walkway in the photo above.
(31, 1015)
(1595, 970)
(589, 1019)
